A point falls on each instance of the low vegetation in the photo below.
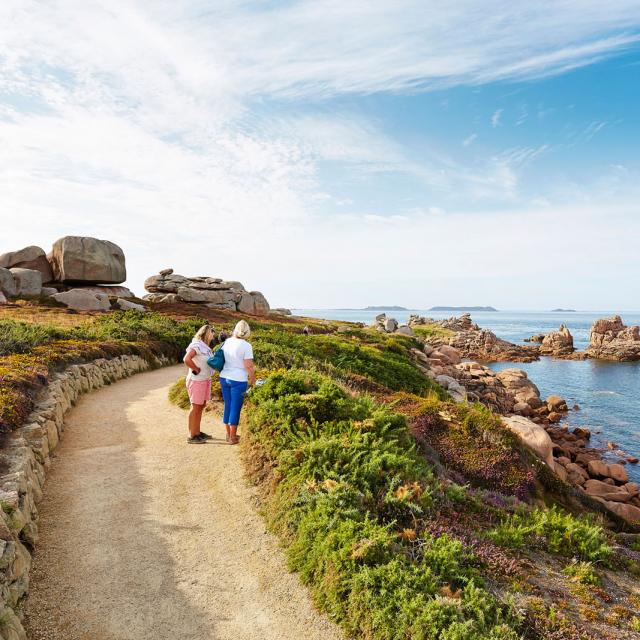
(410, 517)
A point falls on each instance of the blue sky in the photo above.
(334, 153)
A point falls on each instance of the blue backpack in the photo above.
(216, 361)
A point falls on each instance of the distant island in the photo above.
(462, 309)
(563, 311)
(386, 308)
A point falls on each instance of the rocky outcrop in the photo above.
(28, 281)
(28, 258)
(83, 260)
(533, 435)
(7, 283)
(383, 324)
(215, 293)
(558, 343)
(74, 260)
(476, 343)
(610, 339)
(80, 300)
(24, 460)
(518, 384)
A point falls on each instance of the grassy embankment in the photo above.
(408, 516)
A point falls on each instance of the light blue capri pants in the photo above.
(233, 395)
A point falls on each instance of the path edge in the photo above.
(25, 459)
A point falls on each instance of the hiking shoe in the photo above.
(195, 440)
(205, 436)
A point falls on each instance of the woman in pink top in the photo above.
(199, 381)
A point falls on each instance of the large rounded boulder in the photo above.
(83, 260)
(31, 257)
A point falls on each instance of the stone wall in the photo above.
(24, 461)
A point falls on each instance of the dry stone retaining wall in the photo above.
(24, 459)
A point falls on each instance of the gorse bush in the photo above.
(555, 531)
(362, 355)
(21, 337)
(351, 480)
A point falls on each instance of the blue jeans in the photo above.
(233, 396)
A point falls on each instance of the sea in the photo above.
(608, 393)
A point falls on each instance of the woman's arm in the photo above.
(188, 360)
(251, 371)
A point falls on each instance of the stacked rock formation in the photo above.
(558, 343)
(391, 325)
(214, 293)
(610, 339)
(79, 272)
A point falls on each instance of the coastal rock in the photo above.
(627, 512)
(126, 305)
(77, 259)
(558, 343)
(3, 299)
(7, 283)
(533, 435)
(48, 291)
(80, 300)
(215, 293)
(112, 290)
(390, 325)
(518, 383)
(607, 491)
(405, 330)
(28, 281)
(28, 258)
(556, 403)
(610, 339)
(280, 311)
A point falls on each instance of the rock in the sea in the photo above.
(28, 258)
(610, 339)
(80, 300)
(533, 435)
(28, 281)
(7, 283)
(558, 343)
(77, 259)
(627, 512)
(606, 491)
(556, 403)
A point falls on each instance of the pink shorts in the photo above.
(199, 391)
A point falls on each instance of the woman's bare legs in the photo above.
(233, 430)
(195, 417)
(228, 429)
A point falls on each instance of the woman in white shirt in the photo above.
(199, 381)
(238, 372)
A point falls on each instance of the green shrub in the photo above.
(20, 337)
(582, 572)
(178, 394)
(555, 531)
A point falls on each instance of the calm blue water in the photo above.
(607, 392)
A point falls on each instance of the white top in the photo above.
(205, 370)
(236, 351)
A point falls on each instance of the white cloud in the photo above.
(495, 117)
(193, 132)
(469, 140)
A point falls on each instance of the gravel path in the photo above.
(143, 537)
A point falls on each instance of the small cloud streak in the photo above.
(470, 140)
(495, 118)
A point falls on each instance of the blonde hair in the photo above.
(204, 332)
(242, 330)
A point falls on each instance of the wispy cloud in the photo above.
(469, 140)
(495, 117)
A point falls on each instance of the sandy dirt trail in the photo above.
(143, 537)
